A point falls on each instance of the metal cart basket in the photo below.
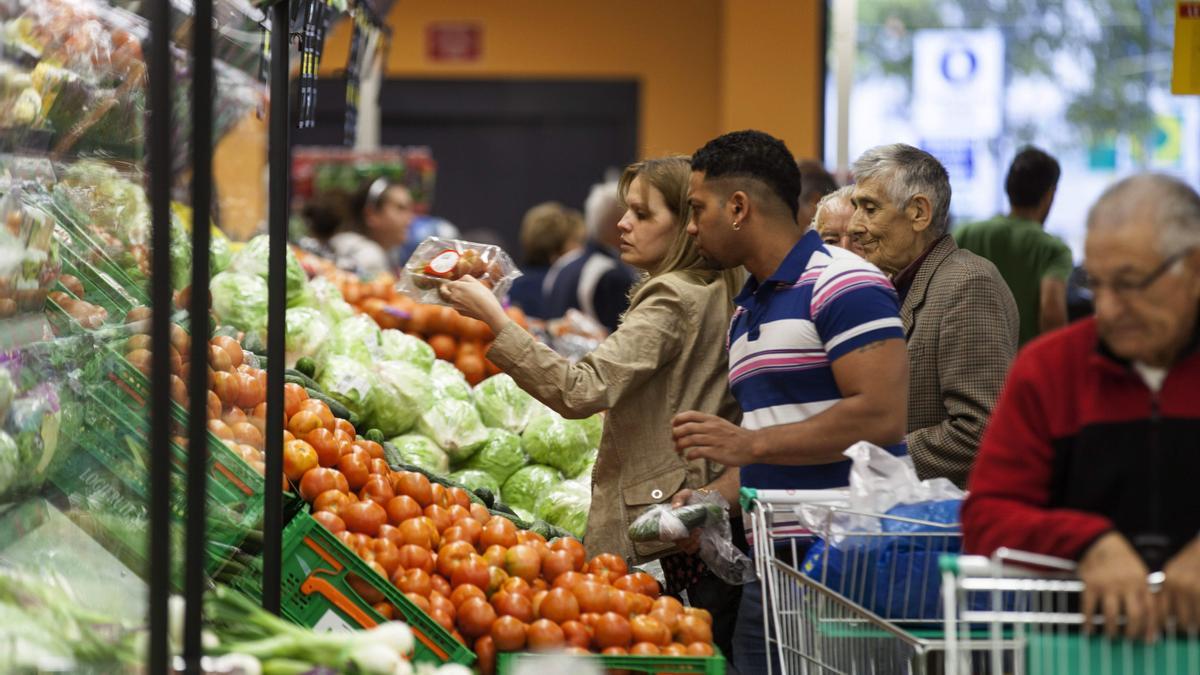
(865, 601)
(1027, 608)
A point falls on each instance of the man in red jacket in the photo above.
(1093, 451)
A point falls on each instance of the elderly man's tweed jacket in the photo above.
(961, 323)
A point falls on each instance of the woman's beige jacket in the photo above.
(667, 356)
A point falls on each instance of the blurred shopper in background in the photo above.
(358, 232)
(815, 183)
(548, 231)
(1092, 452)
(667, 354)
(832, 220)
(380, 214)
(1034, 263)
(959, 316)
(593, 279)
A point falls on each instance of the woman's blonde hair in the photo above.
(669, 175)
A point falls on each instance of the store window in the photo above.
(1087, 80)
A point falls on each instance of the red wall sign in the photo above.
(458, 41)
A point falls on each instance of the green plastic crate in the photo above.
(708, 665)
(317, 592)
(99, 288)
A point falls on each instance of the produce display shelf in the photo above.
(99, 288)
(318, 576)
(660, 665)
(228, 469)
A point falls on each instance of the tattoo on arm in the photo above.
(869, 347)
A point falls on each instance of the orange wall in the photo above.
(771, 75)
(705, 66)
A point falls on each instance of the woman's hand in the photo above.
(476, 301)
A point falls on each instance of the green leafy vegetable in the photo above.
(347, 381)
(326, 297)
(240, 300)
(560, 443)
(500, 457)
(395, 345)
(357, 338)
(307, 329)
(523, 488)
(253, 259)
(401, 393)
(455, 426)
(566, 505)
(474, 479)
(419, 451)
(504, 405)
(448, 381)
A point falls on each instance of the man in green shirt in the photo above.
(1034, 263)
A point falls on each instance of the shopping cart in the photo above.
(867, 601)
(1027, 607)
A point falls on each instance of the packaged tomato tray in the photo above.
(436, 261)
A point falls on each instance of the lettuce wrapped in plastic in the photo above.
(504, 405)
(348, 381)
(554, 441)
(585, 474)
(8, 391)
(523, 488)
(253, 259)
(395, 345)
(500, 457)
(220, 256)
(566, 505)
(326, 297)
(448, 382)
(356, 338)
(181, 254)
(401, 393)
(455, 426)
(474, 479)
(307, 329)
(10, 463)
(240, 300)
(419, 451)
(594, 428)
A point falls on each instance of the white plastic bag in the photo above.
(709, 513)
(879, 481)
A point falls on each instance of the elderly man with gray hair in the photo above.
(959, 317)
(1094, 448)
(832, 219)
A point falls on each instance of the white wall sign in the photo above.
(958, 83)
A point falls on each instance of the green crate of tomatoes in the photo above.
(326, 586)
(705, 665)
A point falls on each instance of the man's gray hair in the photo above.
(1173, 206)
(906, 172)
(602, 208)
(838, 199)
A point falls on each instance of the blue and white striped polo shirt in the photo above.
(822, 303)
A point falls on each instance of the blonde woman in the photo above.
(666, 356)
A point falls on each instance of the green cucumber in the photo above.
(307, 366)
(297, 377)
(335, 407)
(692, 516)
(374, 435)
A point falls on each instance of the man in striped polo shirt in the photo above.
(816, 346)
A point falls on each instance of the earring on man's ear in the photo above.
(736, 226)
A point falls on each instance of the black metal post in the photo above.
(197, 465)
(279, 158)
(159, 143)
